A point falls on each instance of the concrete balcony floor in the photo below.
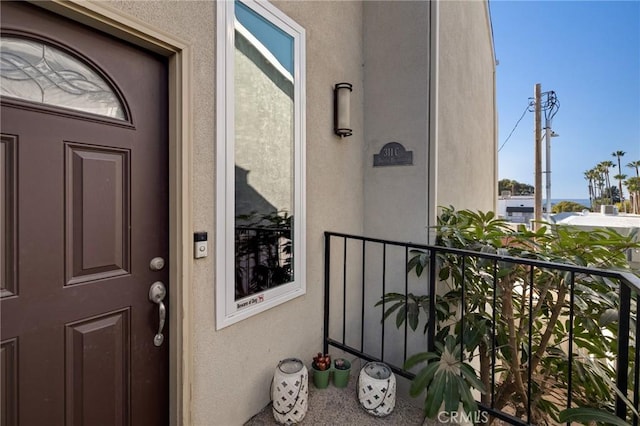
(337, 407)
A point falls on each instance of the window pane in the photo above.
(264, 166)
(36, 72)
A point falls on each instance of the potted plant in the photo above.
(341, 372)
(321, 366)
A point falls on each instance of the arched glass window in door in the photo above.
(38, 72)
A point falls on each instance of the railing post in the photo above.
(363, 295)
(622, 365)
(344, 293)
(463, 306)
(493, 332)
(571, 315)
(636, 369)
(431, 329)
(530, 342)
(406, 302)
(327, 281)
(384, 283)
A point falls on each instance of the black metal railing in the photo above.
(263, 258)
(359, 271)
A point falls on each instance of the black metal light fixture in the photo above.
(342, 109)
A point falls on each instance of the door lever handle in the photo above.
(157, 292)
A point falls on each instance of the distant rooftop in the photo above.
(599, 220)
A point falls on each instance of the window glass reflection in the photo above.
(264, 140)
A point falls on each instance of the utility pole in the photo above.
(547, 157)
(537, 210)
(549, 105)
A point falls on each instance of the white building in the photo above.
(516, 208)
(622, 223)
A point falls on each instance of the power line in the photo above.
(551, 105)
(514, 127)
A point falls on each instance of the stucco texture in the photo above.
(232, 368)
(467, 155)
(390, 68)
(397, 50)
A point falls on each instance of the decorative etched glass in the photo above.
(36, 72)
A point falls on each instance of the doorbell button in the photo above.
(200, 245)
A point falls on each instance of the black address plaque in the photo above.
(393, 154)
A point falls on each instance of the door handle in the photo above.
(157, 292)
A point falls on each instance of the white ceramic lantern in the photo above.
(377, 389)
(290, 391)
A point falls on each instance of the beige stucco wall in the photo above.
(466, 138)
(396, 106)
(429, 85)
(263, 153)
(396, 43)
(232, 367)
(389, 65)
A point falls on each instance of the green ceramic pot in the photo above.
(341, 374)
(320, 378)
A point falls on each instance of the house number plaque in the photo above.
(393, 154)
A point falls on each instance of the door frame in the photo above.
(178, 53)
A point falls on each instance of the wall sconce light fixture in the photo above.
(342, 109)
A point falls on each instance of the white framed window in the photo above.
(260, 188)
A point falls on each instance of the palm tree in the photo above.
(598, 181)
(600, 185)
(619, 155)
(620, 178)
(604, 167)
(633, 186)
(591, 176)
(636, 165)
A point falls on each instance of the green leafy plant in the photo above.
(568, 206)
(448, 379)
(527, 310)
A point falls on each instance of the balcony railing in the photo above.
(263, 258)
(359, 271)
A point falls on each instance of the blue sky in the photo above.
(588, 52)
(279, 43)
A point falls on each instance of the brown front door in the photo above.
(84, 210)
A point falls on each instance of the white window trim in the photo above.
(227, 312)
